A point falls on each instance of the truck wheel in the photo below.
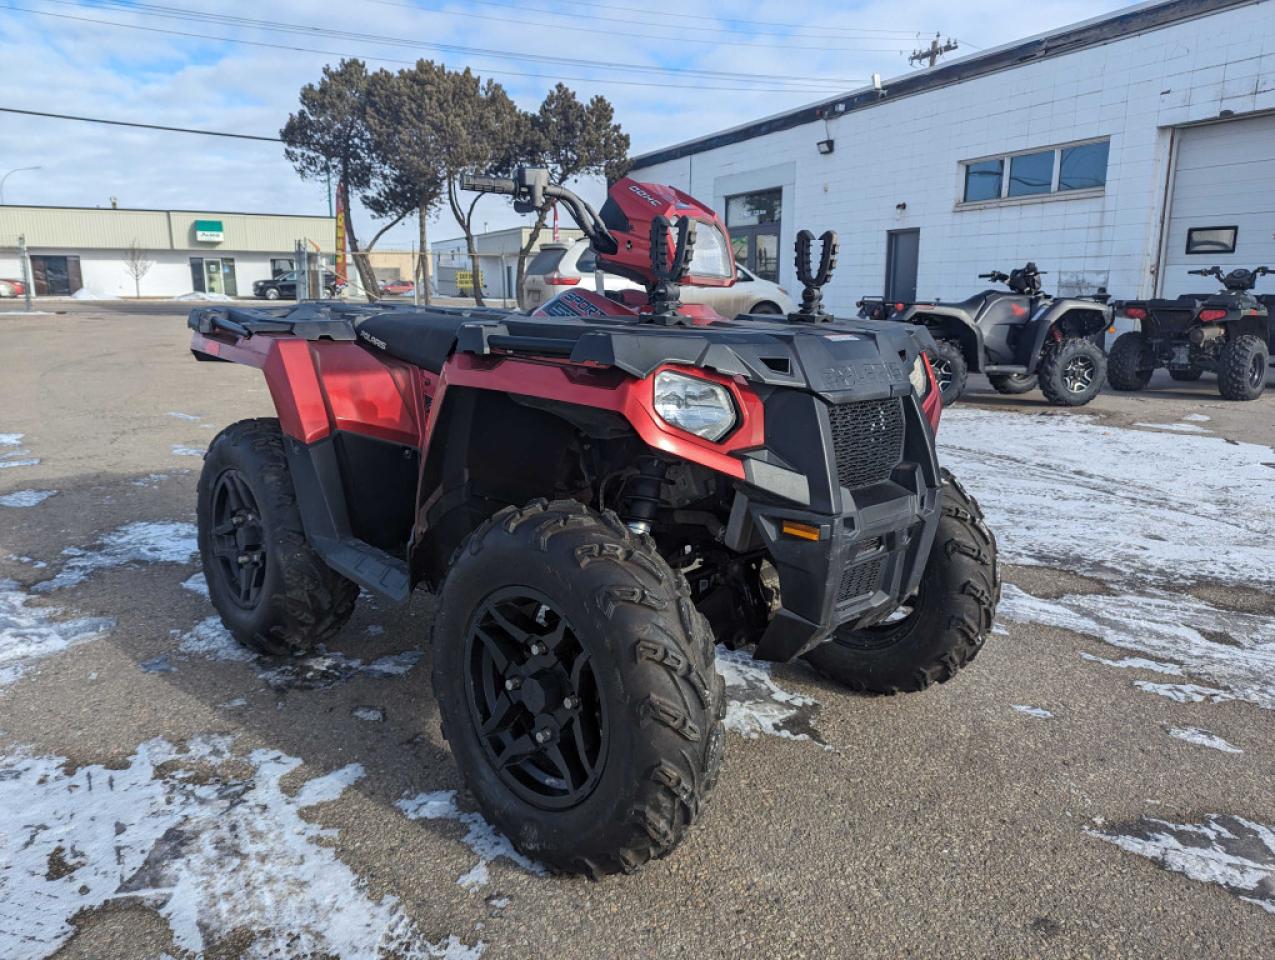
(1188, 374)
(577, 689)
(1013, 384)
(1130, 363)
(942, 627)
(951, 370)
(1072, 371)
(272, 293)
(1241, 369)
(272, 590)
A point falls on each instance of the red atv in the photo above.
(594, 493)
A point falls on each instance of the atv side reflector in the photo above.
(802, 531)
(1135, 313)
(1208, 316)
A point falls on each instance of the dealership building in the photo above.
(88, 248)
(1117, 153)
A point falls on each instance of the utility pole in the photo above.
(936, 49)
(25, 257)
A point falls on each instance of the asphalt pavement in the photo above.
(162, 792)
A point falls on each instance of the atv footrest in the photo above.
(1010, 369)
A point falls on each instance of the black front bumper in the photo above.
(870, 553)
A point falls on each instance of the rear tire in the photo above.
(639, 752)
(1013, 384)
(951, 370)
(949, 618)
(283, 599)
(1072, 372)
(1241, 368)
(1130, 364)
(766, 308)
(272, 293)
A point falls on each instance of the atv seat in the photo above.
(424, 338)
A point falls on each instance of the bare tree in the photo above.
(137, 264)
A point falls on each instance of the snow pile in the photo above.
(183, 450)
(89, 293)
(1202, 738)
(13, 454)
(755, 705)
(29, 633)
(481, 838)
(214, 855)
(139, 542)
(1236, 854)
(26, 498)
(197, 295)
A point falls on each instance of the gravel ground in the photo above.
(1097, 783)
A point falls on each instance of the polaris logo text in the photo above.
(374, 341)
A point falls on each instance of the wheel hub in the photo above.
(238, 542)
(1078, 375)
(534, 699)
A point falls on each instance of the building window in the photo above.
(1211, 239)
(1032, 173)
(213, 275)
(753, 222)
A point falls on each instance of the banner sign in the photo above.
(340, 234)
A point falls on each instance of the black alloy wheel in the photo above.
(1078, 375)
(534, 699)
(238, 539)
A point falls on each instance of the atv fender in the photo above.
(1071, 318)
(945, 323)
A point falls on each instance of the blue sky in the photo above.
(755, 58)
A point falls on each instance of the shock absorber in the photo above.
(643, 497)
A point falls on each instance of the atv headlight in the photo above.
(919, 378)
(694, 405)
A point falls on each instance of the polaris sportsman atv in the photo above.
(593, 493)
(1228, 333)
(1020, 339)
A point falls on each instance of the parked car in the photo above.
(11, 288)
(397, 288)
(559, 265)
(284, 286)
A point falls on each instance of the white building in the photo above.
(74, 248)
(1119, 153)
(498, 260)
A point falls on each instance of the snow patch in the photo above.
(1184, 692)
(755, 705)
(1175, 427)
(209, 638)
(196, 583)
(150, 480)
(1136, 663)
(184, 416)
(88, 293)
(1040, 712)
(198, 295)
(480, 836)
(18, 456)
(26, 498)
(1233, 651)
(29, 633)
(1232, 852)
(182, 450)
(214, 855)
(1203, 738)
(143, 541)
(371, 714)
(1196, 418)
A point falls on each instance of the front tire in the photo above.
(274, 593)
(272, 293)
(1072, 371)
(1130, 363)
(1241, 368)
(951, 370)
(577, 689)
(943, 626)
(1012, 384)
(766, 308)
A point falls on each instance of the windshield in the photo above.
(711, 257)
(546, 261)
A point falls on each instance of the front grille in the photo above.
(859, 579)
(867, 440)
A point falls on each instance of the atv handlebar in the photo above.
(531, 190)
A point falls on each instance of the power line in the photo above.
(182, 14)
(143, 126)
(500, 71)
(717, 41)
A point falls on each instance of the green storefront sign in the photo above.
(209, 231)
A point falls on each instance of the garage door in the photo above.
(1224, 178)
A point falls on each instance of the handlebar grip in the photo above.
(1200, 273)
(479, 184)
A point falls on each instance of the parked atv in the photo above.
(1228, 333)
(1020, 339)
(593, 493)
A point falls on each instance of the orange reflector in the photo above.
(803, 531)
(1112, 328)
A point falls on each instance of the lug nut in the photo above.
(570, 703)
(513, 683)
(537, 649)
(542, 736)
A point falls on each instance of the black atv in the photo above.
(1019, 338)
(1227, 333)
